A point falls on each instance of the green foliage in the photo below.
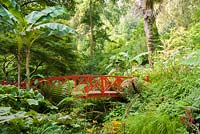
(66, 104)
(182, 13)
(57, 29)
(172, 89)
(6, 15)
(116, 112)
(44, 15)
(33, 30)
(192, 59)
(53, 94)
(17, 107)
(12, 12)
(31, 122)
(153, 122)
(19, 99)
(27, 112)
(141, 58)
(118, 63)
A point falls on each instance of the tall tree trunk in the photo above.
(27, 67)
(149, 21)
(148, 26)
(151, 31)
(91, 30)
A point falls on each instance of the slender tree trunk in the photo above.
(91, 30)
(19, 60)
(27, 67)
(19, 69)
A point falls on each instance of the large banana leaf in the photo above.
(44, 15)
(10, 3)
(13, 9)
(6, 16)
(56, 29)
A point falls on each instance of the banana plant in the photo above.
(31, 27)
(13, 18)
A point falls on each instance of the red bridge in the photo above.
(85, 86)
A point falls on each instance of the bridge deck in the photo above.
(94, 94)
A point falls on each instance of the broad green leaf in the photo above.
(32, 102)
(40, 96)
(139, 58)
(64, 118)
(14, 9)
(4, 110)
(56, 28)
(11, 3)
(20, 114)
(44, 15)
(7, 16)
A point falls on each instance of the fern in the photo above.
(66, 103)
(53, 94)
(154, 123)
(57, 94)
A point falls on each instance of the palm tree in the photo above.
(31, 27)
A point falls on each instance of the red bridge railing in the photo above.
(83, 85)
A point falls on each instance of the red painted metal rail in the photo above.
(85, 86)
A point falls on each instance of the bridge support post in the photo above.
(103, 84)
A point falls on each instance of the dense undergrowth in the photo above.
(24, 111)
(168, 105)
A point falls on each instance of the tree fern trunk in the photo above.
(149, 20)
(152, 36)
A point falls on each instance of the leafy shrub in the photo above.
(19, 99)
(24, 111)
(171, 86)
(172, 89)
